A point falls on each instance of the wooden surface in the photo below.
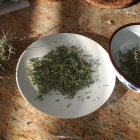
(111, 4)
(118, 119)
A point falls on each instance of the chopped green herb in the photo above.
(6, 49)
(106, 85)
(62, 69)
(88, 97)
(39, 97)
(57, 100)
(88, 92)
(69, 104)
(130, 64)
(29, 122)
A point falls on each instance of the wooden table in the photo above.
(118, 119)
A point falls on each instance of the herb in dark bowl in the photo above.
(130, 64)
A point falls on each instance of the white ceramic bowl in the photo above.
(125, 38)
(91, 98)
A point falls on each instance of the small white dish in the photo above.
(86, 101)
(124, 39)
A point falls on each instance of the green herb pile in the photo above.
(62, 69)
(6, 52)
(130, 64)
(6, 49)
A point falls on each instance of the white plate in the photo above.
(90, 98)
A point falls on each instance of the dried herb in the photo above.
(62, 69)
(88, 97)
(69, 104)
(57, 100)
(130, 64)
(6, 51)
(39, 97)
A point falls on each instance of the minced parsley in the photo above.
(62, 69)
(130, 64)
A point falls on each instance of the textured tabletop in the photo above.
(117, 119)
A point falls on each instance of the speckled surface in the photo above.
(118, 119)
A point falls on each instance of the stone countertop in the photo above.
(118, 119)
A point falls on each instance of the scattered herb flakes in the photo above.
(79, 97)
(98, 98)
(57, 100)
(29, 122)
(82, 99)
(39, 97)
(88, 92)
(130, 64)
(88, 97)
(106, 85)
(6, 49)
(69, 104)
(62, 69)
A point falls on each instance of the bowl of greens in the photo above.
(65, 75)
(124, 51)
